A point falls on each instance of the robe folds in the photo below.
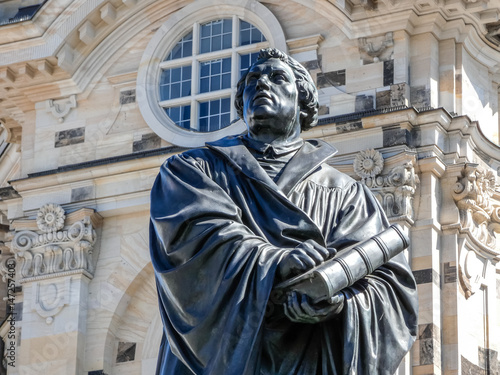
(219, 228)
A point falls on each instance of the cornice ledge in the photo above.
(432, 164)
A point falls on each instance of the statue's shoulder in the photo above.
(208, 154)
(331, 177)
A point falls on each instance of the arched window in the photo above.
(187, 80)
(199, 74)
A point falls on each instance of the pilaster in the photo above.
(56, 255)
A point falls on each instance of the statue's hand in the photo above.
(302, 258)
(299, 310)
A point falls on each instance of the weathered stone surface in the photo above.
(328, 79)
(126, 352)
(70, 137)
(127, 96)
(383, 99)
(450, 273)
(420, 97)
(388, 72)
(364, 103)
(148, 142)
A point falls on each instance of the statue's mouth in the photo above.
(262, 96)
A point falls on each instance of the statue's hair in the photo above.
(308, 94)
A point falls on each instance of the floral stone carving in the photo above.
(479, 211)
(394, 190)
(54, 251)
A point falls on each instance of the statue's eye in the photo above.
(279, 77)
(251, 77)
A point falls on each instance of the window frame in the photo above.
(174, 29)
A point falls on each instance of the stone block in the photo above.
(126, 352)
(69, 137)
(420, 97)
(426, 276)
(383, 99)
(363, 103)
(148, 142)
(328, 79)
(388, 72)
(450, 272)
(127, 96)
(365, 77)
(82, 193)
(396, 137)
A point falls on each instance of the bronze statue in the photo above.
(231, 221)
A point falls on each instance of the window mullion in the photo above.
(196, 39)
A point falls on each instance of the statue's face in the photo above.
(270, 99)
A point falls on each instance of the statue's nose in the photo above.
(263, 82)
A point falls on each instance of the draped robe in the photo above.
(219, 228)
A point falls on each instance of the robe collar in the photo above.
(308, 158)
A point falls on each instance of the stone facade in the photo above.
(409, 94)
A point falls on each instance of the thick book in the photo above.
(348, 266)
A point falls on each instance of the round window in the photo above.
(187, 78)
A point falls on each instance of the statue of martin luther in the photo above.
(230, 221)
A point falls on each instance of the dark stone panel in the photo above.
(18, 311)
(450, 273)
(488, 359)
(363, 103)
(388, 72)
(323, 110)
(396, 137)
(97, 372)
(311, 65)
(126, 352)
(427, 331)
(148, 142)
(423, 276)
(127, 96)
(349, 126)
(383, 99)
(426, 351)
(82, 193)
(420, 97)
(18, 289)
(426, 276)
(329, 79)
(470, 368)
(8, 192)
(70, 137)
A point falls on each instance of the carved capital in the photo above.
(56, 249)
(395, 190)
(479, 211)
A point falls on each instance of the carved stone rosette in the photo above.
(479, 212)
(54, 251)
(394, 190)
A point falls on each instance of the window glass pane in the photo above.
(249, 34)
(215, 35)
(175, 83)
(183, 48)
(215, 75)
(214, 115)
(246, 61)
(180, 115)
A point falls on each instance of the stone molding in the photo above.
(55, 250)
(479, 210)
(395, 190)
(60, 108)
(377, 48)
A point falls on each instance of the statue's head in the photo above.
(306, 92)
